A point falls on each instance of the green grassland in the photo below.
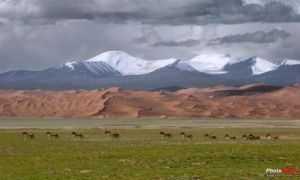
(142, 154)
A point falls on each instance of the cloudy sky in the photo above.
(35, 34)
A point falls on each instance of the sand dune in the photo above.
(252, 101)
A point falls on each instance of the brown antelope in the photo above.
(164, 135)
(77, 135)
(28, 135)
(268, 136)
(252, 137)
(206, 135)
(229, 137)
(51, 135)
(106, 132)
(184, 135)
(189, 136)
(245, 137)
(210, 136)
(114, 135)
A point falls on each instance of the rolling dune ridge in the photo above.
(251, 101)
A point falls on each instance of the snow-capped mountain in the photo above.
(251, 66)
(177, 66)
(89, 69)
(116, 68)
(129, 65)
(68, 70)
(219, 63)
(212, 64)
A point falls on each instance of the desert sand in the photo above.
(251, 101)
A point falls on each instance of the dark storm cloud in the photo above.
(36, 34)
(151, 37)
(258, 37)
(172, 12)
(183, 43)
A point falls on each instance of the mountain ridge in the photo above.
(116, 68)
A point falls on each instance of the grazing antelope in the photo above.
(210, 136)
(163, 135)
(252, 137)
(206, 135)
(229, 137)
(268, 136)
(189, 136)
(106, 132)
(245, 137)
(51, 135)
(114, 135)
(28, 135)
(183, 135)
(77, 135)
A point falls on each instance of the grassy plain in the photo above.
(142, 154)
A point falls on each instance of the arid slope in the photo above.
(252, 101)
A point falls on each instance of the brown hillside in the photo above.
(254, 101)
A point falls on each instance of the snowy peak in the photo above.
(113, 57)
(105, 70)
(290, 62)
(181, 65)
(185, 66)
(260, 65)
(121, 63)
(94, 69)
(129, 65)
(212, 63)
(206, 63)
(70, 65)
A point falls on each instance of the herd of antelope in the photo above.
(29, 135)
(113, 134)
(227, 136)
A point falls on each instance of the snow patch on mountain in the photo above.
(128, 65)
(97, 67)
(261, 66)
(212, 63)
(70, 65)
(290, 62)
(185, 66)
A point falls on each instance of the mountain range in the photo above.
(116, 68)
